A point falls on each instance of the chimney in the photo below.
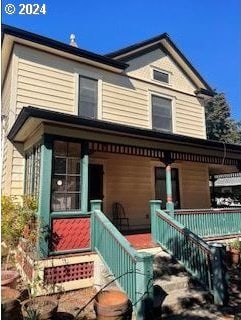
(72, 41)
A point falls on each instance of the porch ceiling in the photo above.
(110, 137)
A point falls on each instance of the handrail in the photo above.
(116, 234)
(208, 211)
(132, 270)
(203, 261)
(184, 230)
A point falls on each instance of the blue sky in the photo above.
(208, 32)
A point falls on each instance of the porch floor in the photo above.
(141, 241)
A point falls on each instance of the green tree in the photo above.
(220, 126)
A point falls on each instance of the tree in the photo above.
(220, 126)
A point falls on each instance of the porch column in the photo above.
(84, 176)
(44, 198)
(213, 202)
(169, 202)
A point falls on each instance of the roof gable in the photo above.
(164, 43)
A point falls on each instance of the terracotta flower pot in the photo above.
(112, 305)
(9, 278)
(10, 304)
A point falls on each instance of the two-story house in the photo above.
(125, 127)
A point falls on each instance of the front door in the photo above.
(95, 182)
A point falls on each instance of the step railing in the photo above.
(211, 222)
(202, 261)
(132, 270)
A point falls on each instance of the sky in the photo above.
(208, 32)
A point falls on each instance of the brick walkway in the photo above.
(141, 241)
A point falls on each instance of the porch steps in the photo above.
(176, 294)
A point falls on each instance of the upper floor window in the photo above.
(88, 97)
(161, 113)
(161, 76)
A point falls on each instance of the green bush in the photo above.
(15, 217)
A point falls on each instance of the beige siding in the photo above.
(47, 81)
(6, 145)
(128, 180)
(131, 181)
(141, 67)
(41, 83)
(194, 186)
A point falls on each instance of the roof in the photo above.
(163, 39)
(117, 59)
(113, 128)
(33, 37)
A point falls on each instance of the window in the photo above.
(161, 76)
(88, 97)
(32, 171)
(161, 113)
(66, 176)
(160, 186)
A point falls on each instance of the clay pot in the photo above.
(10, 304)
(45, 307)
(112, 305)
(9, 278)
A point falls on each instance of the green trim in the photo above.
(71, 251)
(69, 214)
(44, 197)
(84, 177)
(169, 203)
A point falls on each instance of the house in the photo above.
(124, 127)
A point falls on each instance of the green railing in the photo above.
(211, 222)
(202, 261)
(132, 270)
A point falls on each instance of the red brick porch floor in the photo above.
(141, 241)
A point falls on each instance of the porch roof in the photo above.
(31, 117)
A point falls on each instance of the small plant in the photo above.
(235, 245)
(16, 217)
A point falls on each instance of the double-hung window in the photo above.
(88, 97)
(161, 113)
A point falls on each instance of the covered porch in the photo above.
(81, 159)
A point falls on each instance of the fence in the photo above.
(211, 222)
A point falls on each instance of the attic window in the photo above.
(160, 76)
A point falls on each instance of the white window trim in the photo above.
(169, 84)
(173, 106)
(92, 75)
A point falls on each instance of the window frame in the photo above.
(32, 169)
(66, 174)
(168, 84)
(173, 108)
(91, 75)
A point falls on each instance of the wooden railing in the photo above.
(202, 261)
(211, 222)
(132, 270)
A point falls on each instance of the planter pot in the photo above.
(235, 257)
(112, 305)
(10, 304)
(9, 278)
(45, 307)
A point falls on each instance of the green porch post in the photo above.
(154, 205)
(84, 176)
(44, 197)
(144, 284)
